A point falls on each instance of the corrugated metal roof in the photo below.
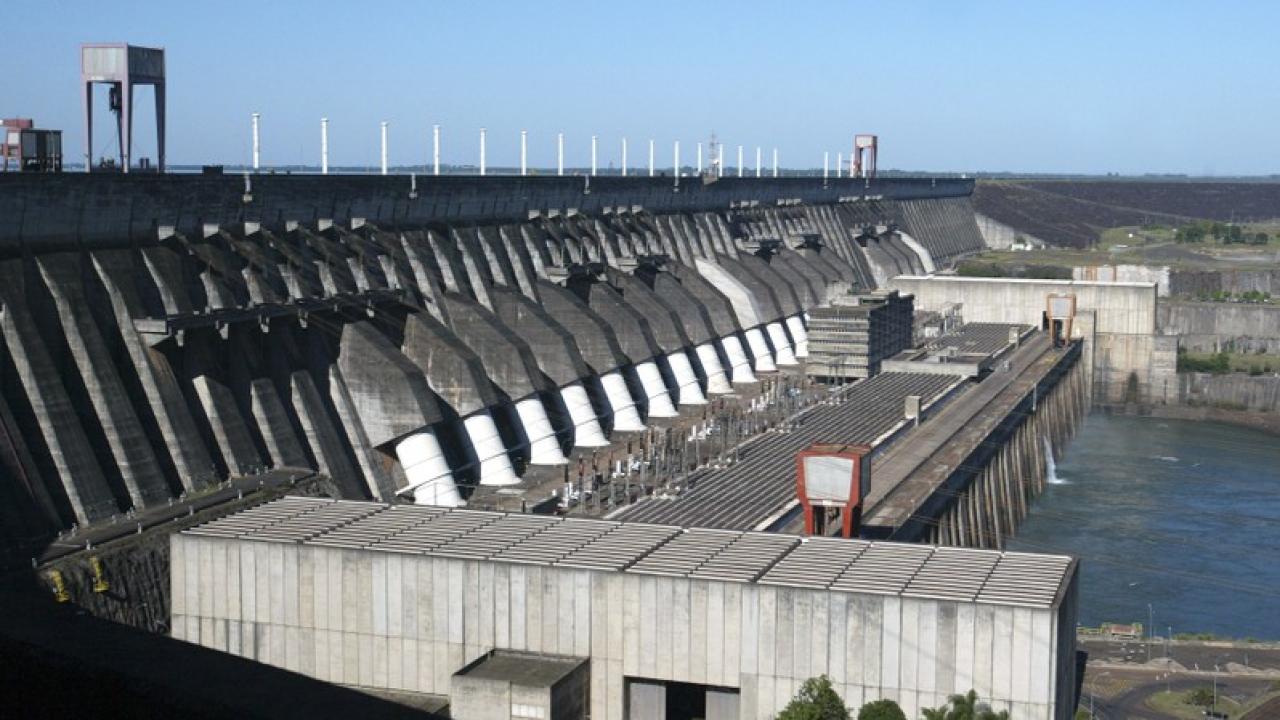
(856, 566)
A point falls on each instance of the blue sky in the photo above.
(1025, 86)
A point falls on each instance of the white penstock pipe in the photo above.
(625, 417)
(799, 334)
(739, 365)
(544, 448)
(425, 468)
(717, 383)
(586, 428)
(781, 346)
(655, 390)
(688, 391)
(495, 465)
(760, 349)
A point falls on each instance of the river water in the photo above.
(1180, 515)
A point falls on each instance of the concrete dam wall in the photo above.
(412, 338)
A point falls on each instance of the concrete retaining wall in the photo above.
(1215, 327)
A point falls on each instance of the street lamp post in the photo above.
(1151, 629)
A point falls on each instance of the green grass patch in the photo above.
(1222, 363)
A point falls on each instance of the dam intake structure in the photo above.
(430, 340)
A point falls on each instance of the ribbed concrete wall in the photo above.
(164, 333)
(393, 621)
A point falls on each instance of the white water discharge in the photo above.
(1051, 466)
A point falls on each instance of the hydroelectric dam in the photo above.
(577, 392)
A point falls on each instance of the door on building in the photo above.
(648, 699)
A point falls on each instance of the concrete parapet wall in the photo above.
(69, 210)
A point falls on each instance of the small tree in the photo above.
(1201, 696)
(816, 700)
(965, 707)
(881, 710)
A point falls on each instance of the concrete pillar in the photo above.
(760, 349)
(826, 165)
(544, 448)
(524, 152)
(720, 163)
(435, 149)
(482, 149)
(675, 161)
(593, 155)
(659, 401)
(775, 162)
(742, 168)
(559, 153)
(624, 157)
(257, 146)
(839, 165)
(699, 158)
(759, 164)
(495, 465)
(424, 466)
(384, 147)
(586, 428)
(650, 157)
(324, 146)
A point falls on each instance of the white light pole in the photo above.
(524, 152)
(650, 157)
(826, 165)
(759, 164)
(435, 149)
(839, 164)
(675, 161)
(699, 159)
(559, 153)
(384, 147)
(482, 157)
(775, 162)
(742, 167)
(324, 146)
(720, 162)
(624, 157)
(593, 155)
(257, 146)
